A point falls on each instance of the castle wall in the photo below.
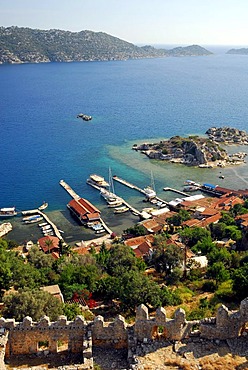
(26, 337)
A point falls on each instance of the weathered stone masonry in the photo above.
(24, 338)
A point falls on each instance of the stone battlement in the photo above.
(79, 336)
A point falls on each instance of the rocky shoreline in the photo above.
(199, 151)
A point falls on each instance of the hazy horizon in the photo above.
(180, 22)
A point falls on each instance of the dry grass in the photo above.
(228, 362)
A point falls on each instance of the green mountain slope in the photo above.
(25, 45)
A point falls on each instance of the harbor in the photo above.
(82, 203)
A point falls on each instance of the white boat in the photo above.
(47, 227)
(188, 188)
(33, 217)
(43, 206)
(150, 190)
(97, 180)
(32, 221)
(97, 227)
(100, 231)
(8, 212)
(114, 203)
(43, 224)
(109, 195)
(121, 209)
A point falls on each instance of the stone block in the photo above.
(142, 313)
(27, 322)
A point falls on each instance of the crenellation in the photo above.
(26, 337)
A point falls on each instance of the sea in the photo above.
(133, 101)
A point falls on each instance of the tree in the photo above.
(136, 230)
(218, 272)
(39, 259)
(240, 281)
(72, 310)
(205, 245)
(33, 303)
(218, 231)
(220, 255)
(166, 258)
(190, 236)
(227, 219)
(121, 259)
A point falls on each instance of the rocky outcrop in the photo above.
(192, 151)
(198, 151)
(227, 135)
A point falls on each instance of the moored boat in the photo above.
(32, 221)
(114, 203)
(97, 180)
(100, 231)
(121, 209)
(33, 217)
(8, 212)
(43, 206)
(150, 192)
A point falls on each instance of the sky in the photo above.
(168, 22)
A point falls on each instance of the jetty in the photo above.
(128, 184)
(131, 208)
(69, 190)
(53, 226)
(56, 231)
(132, 186)
(176, 191)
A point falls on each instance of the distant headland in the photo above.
(241, 51)
(199, 151)
(26, 45)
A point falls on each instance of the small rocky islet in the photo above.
(199, 151)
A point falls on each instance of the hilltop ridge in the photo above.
(26, 45)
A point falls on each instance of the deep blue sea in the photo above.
(43, 142)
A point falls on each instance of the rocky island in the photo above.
(198, 151)
(241, 51)
(26, 45)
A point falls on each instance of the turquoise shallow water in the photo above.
(42, 141)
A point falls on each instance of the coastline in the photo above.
(137, 169)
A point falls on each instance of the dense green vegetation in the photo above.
(116, 276)
(25, 45)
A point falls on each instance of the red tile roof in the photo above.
(43, 243)
(85, 210)
(142, 250)
(135, 242)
